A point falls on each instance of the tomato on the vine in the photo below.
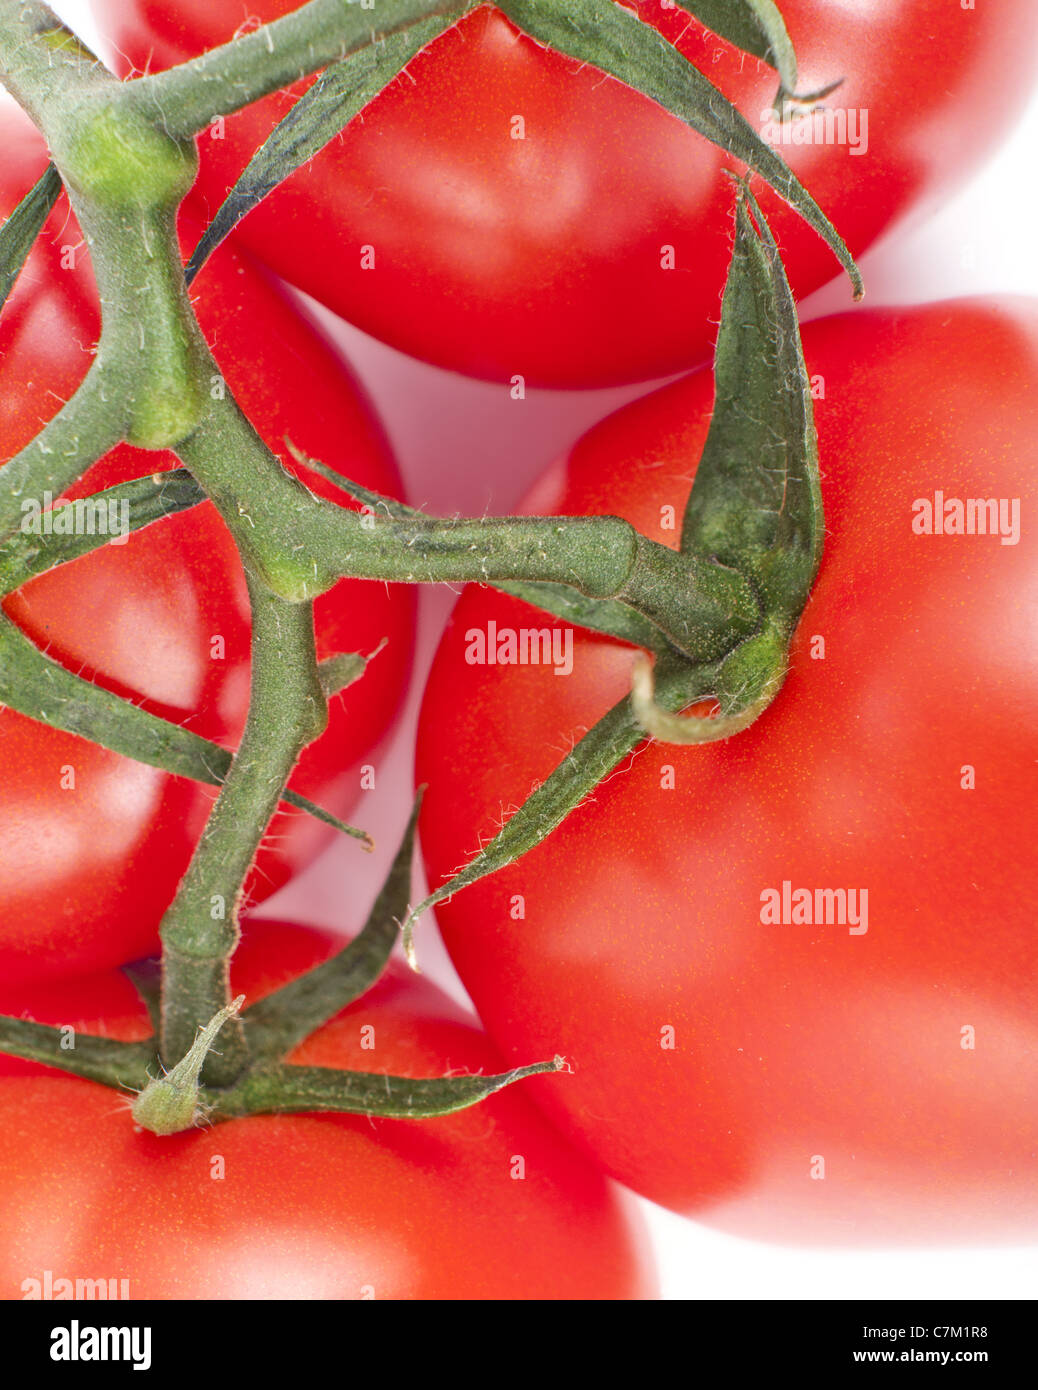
(486, 1203)
(795, 971)
(500, 210)
(94, 843)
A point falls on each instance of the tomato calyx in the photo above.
(755, 507)
(764, 519)
(607, 35)
(173, 1099)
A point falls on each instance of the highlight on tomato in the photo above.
(794, 971)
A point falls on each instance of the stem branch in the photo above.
(42, 63)
(200, 930)
(301, 544)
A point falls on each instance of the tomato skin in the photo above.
(542, 256)
(310, 1206)
(86, 870)
(642, 911)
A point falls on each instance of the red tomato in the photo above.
(93, 843)
(797, 1081)
(487, 1203)
(547, 255)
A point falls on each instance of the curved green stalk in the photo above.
(199, 932)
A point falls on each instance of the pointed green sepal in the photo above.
(104, 518)
(146, 978)
(320, 114)
(19, 232)
(295, 1090)
(756, 501)
(121, 1065)
(615, 736)
(276, 1023)
(337, 672)
(755, 26)
(41, 688)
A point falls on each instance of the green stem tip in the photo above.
(171, 1103)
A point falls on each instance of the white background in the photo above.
(456, 446)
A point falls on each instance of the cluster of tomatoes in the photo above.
(789, 1079)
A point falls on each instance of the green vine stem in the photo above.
(302, 544)
(602, 615)
(185, 99)
(125, 180)
(199, 932)
(42, 63)
(176, 1100)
